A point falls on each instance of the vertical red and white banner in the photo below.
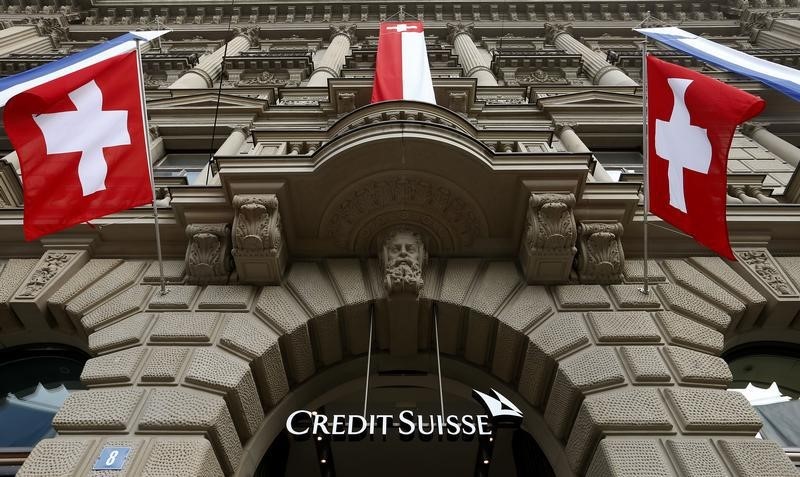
(691, 122)
(401, 66)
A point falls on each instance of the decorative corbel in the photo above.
(258, 247)
(548, 245)
(600, 255)
(208, 259)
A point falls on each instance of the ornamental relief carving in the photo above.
(550, 224)
(600, 254)
(403, 255)
(764, 266)
(368, 208)
(208, 258)
(48, 267)
(257, 227)
(526, 76)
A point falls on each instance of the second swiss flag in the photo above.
(691, 122)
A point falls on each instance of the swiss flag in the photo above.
(81, 144)
(401, 66)
(691, 121)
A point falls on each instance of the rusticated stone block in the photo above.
(632, 298)
(163, 364)
(645, 364)
(628, 458)
(695, 367)
(112, 283)
(222, 297)
(185, 410)
(529, 305)
(760, 269)
(431, 276)
(726, 277)
(128, 470)
(713, 410)
(624, 327)
(558, 335)
(757, 458)
(59, 456)
(107, 409)
(696, 458)
(590, 369)
(187, 456)
(184, 327)
(126, 303)
(174, 271)
(458, 277)
(86, 276)
(214, 369)
(12, 276)
(247, 335)
(349, 280)
(695, 280)
(685, 332)
(121, 334)
(280, 309)
(178, 297)
(315, 290)
(494, 286)
(637, 409)
(118, 367)
(634, 271)
(581, 297)
(686, 303)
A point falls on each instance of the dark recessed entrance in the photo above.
(511, 451)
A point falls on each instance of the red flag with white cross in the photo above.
(81, 144)
(691, 122)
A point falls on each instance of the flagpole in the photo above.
(645, 159)
(163, 281)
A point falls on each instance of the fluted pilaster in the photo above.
(595, 65)
(208, 70)
(332, 61)
(474, 64)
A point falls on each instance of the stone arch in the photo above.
(621, 380)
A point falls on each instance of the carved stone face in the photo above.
(403, 256)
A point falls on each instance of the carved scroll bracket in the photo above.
(208, 259)
(600, 255)
(258, 247)
(548, 246)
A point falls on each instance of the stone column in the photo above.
(572, 142)
(333, 59)
(595, 65)
(468, 55)
(205, 73)
(774, 144)
(230, 147)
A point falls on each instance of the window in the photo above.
(769, 377)
(34, 382)
(180, 165)
(617, 163)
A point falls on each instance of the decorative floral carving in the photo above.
(208, 255)
(539, 75)
(455, 29)
(265, 78)
(762, 264)
(48, 267)
(451, 211)
(403, 255)
(600, 257)
(550, 223)
(257, 229)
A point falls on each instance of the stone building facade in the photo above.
(509, 215)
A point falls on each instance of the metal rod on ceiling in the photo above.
(369, 358)
(438, 356)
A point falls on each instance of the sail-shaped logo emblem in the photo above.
(501, 410)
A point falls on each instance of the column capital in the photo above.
(455, 29)
(751, 127)
(347, 30)
(561, 126)
(250, 33)
(553, 30)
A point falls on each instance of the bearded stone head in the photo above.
(403, 255)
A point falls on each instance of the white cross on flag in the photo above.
(691, 121)
(401, 65)
(78, 129)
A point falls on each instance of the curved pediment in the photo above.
(401, 111)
